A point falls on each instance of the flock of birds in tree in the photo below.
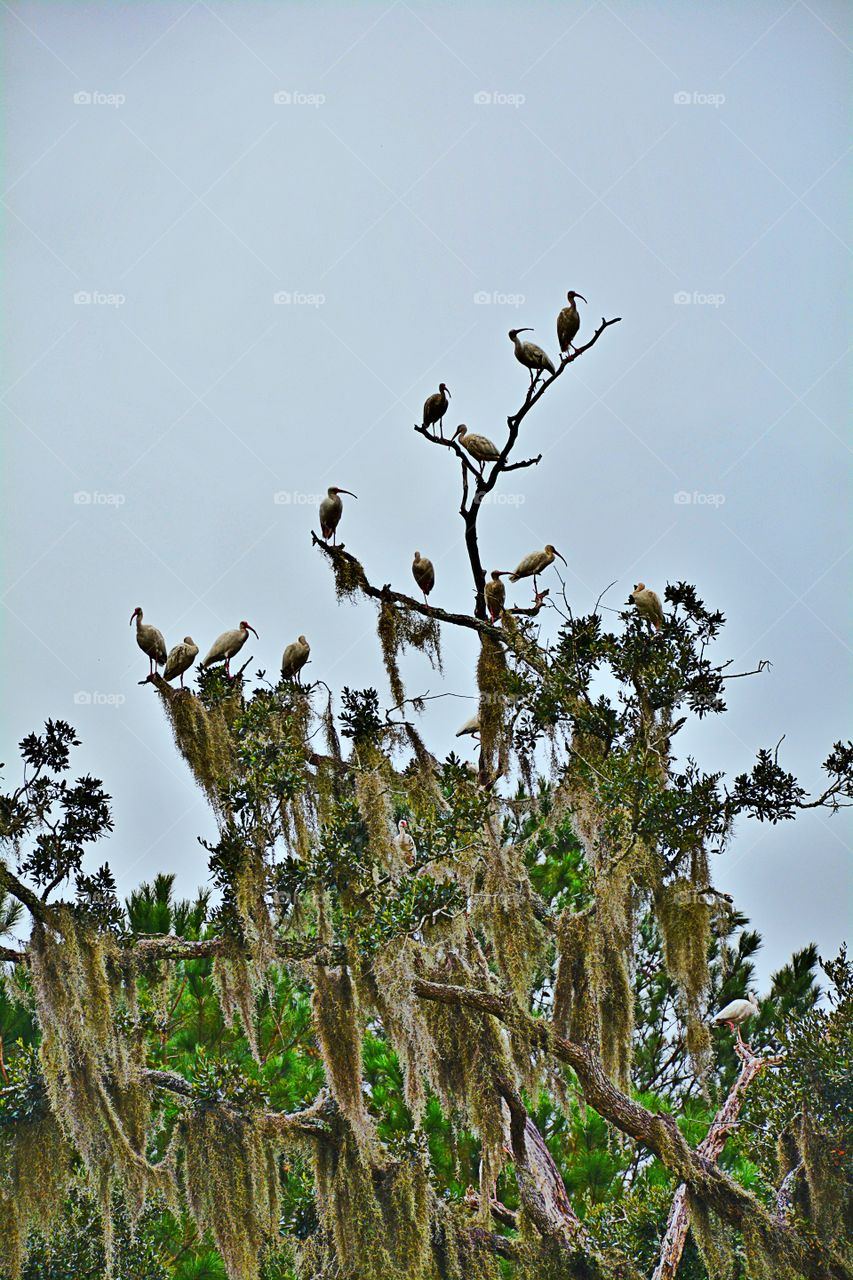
(181, 657)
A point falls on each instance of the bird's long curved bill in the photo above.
(582, 298)
(346, 491)
(253, 631)
(132, 616)
(563, 558)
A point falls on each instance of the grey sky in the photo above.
(184, 192)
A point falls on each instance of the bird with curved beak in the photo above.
(435, 407)
(227, 645)
(331, 510)
(481, 448)
(647, 604)
(294, 658)
(534, 564)
(568, 323)
(735, 1013)
(531, 356)
(423, 572)
(180, 659)
(150, 641)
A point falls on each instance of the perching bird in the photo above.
(404, 842)
(150, 640)
(180, 659)
(331, 510)
(481, 448)
(294, 658)
(471, 726)
(534, 564)
(531, 356)
(647, 603)
(735, 1013)
(495, 594)
(423, 574)
(435, 407)
(568, 322)
(227, 645)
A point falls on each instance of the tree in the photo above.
(317, 1071)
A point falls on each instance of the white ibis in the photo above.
(150, 641)
(495, 594)
(423, 573)
(735, 1013)
(435, 407)
(647, 603)
(294, 658)
(531, 356)
(227, 645)
(568, 322)
(481, 448)
(404, 842)
(331, 510)
(180, 659)
(534, 564)
(471, 726)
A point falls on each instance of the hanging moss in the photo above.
(491, 682)
(372, 789)
(685, 925)
(349, 1210)
(339, 1031)
(712, 1240)
(504, 910)
(202, 735)
(232, 1183)
(237, 989)
(91, 1059)
(575, 998)
(350, 578)
(35, 1173)
(389, 643)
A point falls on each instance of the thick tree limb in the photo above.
(10, 882)
(711, 1147)
(658, 1133)
(309, 1121)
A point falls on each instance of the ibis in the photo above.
(568, 323)
(435, 407)
(294, 658)
(647, 603)
(331, 510)
(150, 641)
(534, 564)
(495, 594)
(404, 842)
(423, 573)
(531, 356)
(180, 659)
(471, 726)
(481, 448)
(735, 1013)
(227, 645)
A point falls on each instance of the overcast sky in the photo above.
(417, 179)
